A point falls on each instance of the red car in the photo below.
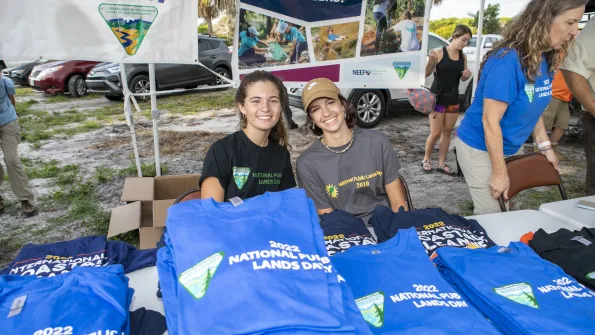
(61, 77)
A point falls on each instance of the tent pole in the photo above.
(129, 119)
(155, 117)
(478, 48)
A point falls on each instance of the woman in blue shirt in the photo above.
(249, 53)
(514, 89)
(297, 39)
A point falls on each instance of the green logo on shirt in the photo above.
(198, 278)
(530, 90)
(520, 293)
(240, 176)
(590, 275)
(372, 308)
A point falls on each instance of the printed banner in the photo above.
(125, 31)
(356, 43)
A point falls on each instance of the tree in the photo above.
(210, 9)
(491, 23)
(379, 314)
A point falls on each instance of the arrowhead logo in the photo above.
(530, 90)
(372, 308)
(130, 24)
(198, 278)
(240, 176)
(401, 68)
(520, 293)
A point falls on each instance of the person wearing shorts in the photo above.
(557, 113)
(451, 67)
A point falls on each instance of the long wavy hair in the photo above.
(529, 35)
(279, 131)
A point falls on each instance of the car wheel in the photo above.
(114, 97)
(370, 107)
(77, 86)
(141, 84)
(223, 72)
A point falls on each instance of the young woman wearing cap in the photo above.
(514, 88)
(348, 168)
(253, 160)
(248, 52)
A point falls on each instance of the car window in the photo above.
(435, 43)
(472, 42)
(213, 44)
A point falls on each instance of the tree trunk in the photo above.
(209, 25)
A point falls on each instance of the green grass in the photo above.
(39, 169)
(148, 170)
(52, 99)
(24, 92)
(105, 174)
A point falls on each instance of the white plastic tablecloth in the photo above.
(567, 211)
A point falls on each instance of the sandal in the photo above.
(426, 166)
(445, 169)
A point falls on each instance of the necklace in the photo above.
(342, 151)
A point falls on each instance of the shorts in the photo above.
(451, 109)
(556, 115)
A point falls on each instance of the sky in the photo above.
(460, 8)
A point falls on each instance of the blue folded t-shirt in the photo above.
(399, 291)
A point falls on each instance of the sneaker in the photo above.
(2, 208)
(28, 209)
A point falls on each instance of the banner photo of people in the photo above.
(352, 42)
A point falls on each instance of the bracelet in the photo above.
(544, 144)
(543, 150)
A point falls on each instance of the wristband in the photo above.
(544, 144)
(544, 150)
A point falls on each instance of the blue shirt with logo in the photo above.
(503, 79)
(7, 111)
(294, 34)
(247, 43)
(399, 291)
(518, 291)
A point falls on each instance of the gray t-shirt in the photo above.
(352, 181)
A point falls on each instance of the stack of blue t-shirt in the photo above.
(520, 292)
(255, 268)
(86, 300)
(399, 291)
(44, 260)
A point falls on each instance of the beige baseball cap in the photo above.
(319, 88)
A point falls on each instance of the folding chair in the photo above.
(528, 171)
(405, 189)
(188, 195)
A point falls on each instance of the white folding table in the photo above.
(506, 227)
(567, 211)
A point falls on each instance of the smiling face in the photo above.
(565, 27)
(262, 106)
(328, 114)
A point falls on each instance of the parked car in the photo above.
(61, 77)
(372, 104)
(487, 42)
(212, 52)
(20, 73)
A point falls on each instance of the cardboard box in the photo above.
(147, 202)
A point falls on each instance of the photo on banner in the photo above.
(265, 41)
(392, 26)
(337, 41)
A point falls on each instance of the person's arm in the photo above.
(466, 73)
(287, 179)
(493, 111)
(307, 179)
(12, 99)
(581, 90)
(10, 90)
(434, 58)
(390, 176)
(540, 136)
(215, 174)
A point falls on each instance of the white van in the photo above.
(372, 104)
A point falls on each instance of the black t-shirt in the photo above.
(343, 231)
(573, 251)
(434, 226)
(246, 170)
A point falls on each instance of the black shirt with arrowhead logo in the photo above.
(245, 169)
